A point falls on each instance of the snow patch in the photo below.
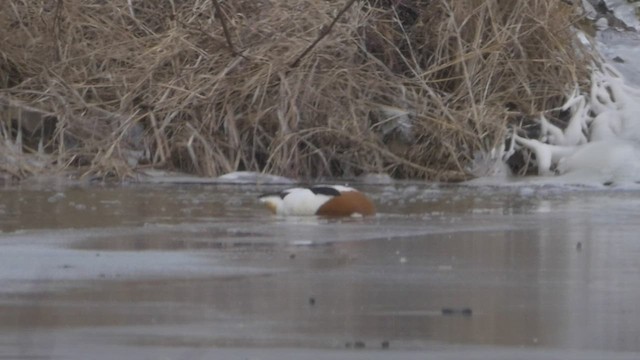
(625, 11)
(250, 177)
(599, 145)
(236, 177)
(602, 138)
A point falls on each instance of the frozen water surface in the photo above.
(533, 271)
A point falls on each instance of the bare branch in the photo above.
(324, 33)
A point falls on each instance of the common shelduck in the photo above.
(322, 200)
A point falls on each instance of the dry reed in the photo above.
(413, 88)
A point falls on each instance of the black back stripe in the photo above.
(317, 190)
(324, 190)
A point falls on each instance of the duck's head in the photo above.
(273, 202)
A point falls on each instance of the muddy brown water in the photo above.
(203, 272)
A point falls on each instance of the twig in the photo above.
(216, 4)
(56, 29)
(324, 33)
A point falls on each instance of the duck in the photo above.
(319, 200)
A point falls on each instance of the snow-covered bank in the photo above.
(600, 144)
(599, 141)
(602, 137)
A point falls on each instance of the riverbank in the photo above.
(412, 90)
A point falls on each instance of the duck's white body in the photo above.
(326, 200)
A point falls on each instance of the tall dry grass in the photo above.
(412, 88)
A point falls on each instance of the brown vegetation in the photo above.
(412, 88)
